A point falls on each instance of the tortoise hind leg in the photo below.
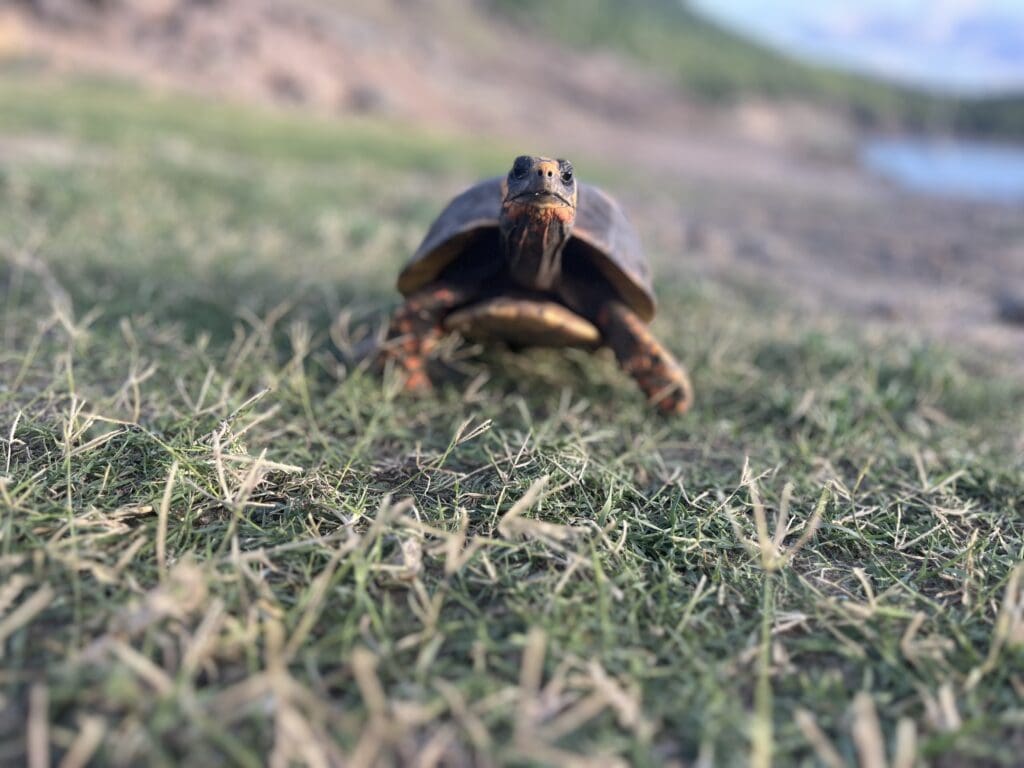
(416, 328)
(660, 376)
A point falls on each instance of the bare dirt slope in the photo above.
(766, 194)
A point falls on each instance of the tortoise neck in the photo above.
(532, 240)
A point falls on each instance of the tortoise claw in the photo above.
(410, 365)
(677, 402)
(416, 381)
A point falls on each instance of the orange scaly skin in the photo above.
(415, 330)
(662, 379)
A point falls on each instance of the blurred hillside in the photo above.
(463, 67)
(499, 66)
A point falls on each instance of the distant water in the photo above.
(947, 168)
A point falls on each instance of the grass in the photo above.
(719, 65)
(220, 543)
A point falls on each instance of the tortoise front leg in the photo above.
(662, 379)
(416, 328)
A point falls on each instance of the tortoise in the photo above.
(534, 258)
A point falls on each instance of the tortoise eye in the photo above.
(521, 167)
(567, 176)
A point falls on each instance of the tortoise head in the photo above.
(538, 209)
(540, 184)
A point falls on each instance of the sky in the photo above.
(963, 45)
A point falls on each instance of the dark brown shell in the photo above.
(601, 232)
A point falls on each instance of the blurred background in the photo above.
(860, 159)
(204, 205)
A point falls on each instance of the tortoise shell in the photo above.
(601, 235)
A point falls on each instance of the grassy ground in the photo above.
(220, 544)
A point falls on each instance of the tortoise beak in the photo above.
(542, 197)
(541, 189)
